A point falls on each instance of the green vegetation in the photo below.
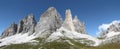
(59, 45)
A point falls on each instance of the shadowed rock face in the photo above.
(20, 27)
(27, 25)
(10, 31)
(79, 26)
(49, 22)
(112, 28)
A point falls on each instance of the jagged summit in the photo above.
(50, 26)
(76, 18)
(68, 23)
(10, 31)
(25, 25)
(73, 24)
(49, 22)
(79, 26)
(51, 8)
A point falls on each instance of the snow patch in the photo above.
(104, 27)
(72, 35)
(17, 39)
(110, 34)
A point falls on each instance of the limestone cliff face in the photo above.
(68, 23)
(10, 31)
(79, 26)
(49, 22)
(73, 24)
(27, 25)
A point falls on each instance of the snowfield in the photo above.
(71, 35)
(24, 38)
(62, 32)
(17, 39)
(111, 34)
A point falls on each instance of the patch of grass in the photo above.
(61, 45)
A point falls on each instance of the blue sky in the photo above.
(92, 12)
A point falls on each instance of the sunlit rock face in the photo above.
(79, 26)
(68, 23)
(10, 31)
(73, 24)
(49, 22)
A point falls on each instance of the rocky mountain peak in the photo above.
(76, 18)
(68, 23)
(114, 28)
(49, 21)
(10, 31)
(79, 26)
(51, 9)
(68, 15)
(27, 24)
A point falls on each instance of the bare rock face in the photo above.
(49, 22)
(27, 25)
(31, 24)
(79, 26)
(73, 24)
(10, 31)
(112, 28)
(109, 36)
(68, 23)
(20, 27)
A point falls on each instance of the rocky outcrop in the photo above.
(73, 24)
(79, 26)
(10, 31)
(20, 27)
(27, 25)
(49, 22)
(68, 23)
(114, 27)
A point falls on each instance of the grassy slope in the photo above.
(59, 45)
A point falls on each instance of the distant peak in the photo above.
(76, 17)
(51, 8)
(68, 14)
(31, 15)
(68, 11)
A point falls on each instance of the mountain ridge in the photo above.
(52, 28)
